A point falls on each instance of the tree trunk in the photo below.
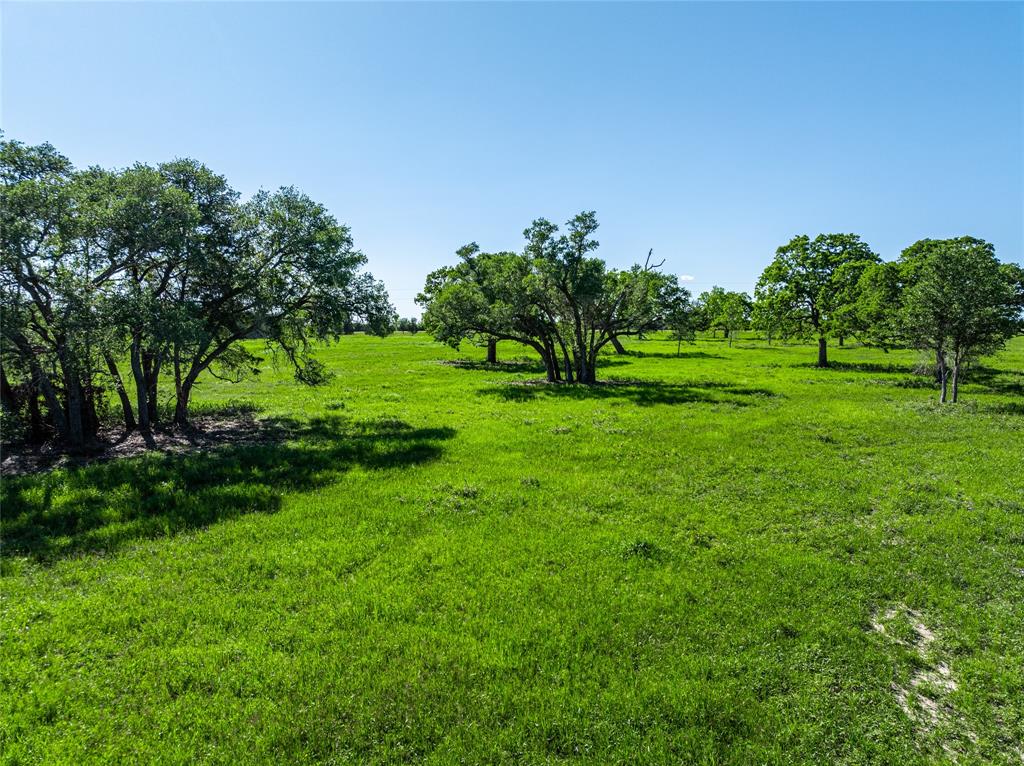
(42, 382)
(549, 367)
(90, 418)
(126, 404)
(956, 380)
(184, 394)
(181, 404)
(7, 397)
(565, 358)
(35, 417)
(30, 396)
(617, 345)
(73, 408)
(822, 351)
(492, 351)
(151, 388)
(141, 390)
(582, 374)
(151, 372)
(841, 339)
(177, 385)
(550, 357)
(569, 378)
(942, 378)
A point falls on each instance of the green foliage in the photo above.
(553, 297)
(876, 312)
(410, 325)
(963, 304)
(680, 314)
(721, 309)
(771, 313)
(811, 286)
(950, 297)
(164, 268)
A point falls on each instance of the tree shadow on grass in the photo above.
(639, 392)
(672, 355)
(509, 365)
(997, 381)
(900, 368)
(102, 506)
(1006, 408)
(534, 366)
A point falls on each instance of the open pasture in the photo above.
(726, 556)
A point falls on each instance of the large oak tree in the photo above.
(812, 282)
(553, 297)
(159, 268)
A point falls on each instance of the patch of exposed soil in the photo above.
(925, 699)
(112, 443)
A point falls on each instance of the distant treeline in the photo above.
(951, 297)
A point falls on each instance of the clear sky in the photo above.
(710, 132)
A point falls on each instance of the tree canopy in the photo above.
(554, 297)
(811, 285)
(160, 267)
(118, 281)
(725, 310)
(958, 302)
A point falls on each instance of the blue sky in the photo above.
(710, 132)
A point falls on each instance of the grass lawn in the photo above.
(727, 557)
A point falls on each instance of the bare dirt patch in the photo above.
(203, 433)
(925, 698)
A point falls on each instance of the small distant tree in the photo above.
(735, 314)
(709, 310)
(963, 304)
(410, 325)
(812, 282)
(725, 310)
(771, 315)
(681, 315)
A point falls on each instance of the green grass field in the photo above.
(729, 557)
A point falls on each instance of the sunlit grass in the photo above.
(451, 564)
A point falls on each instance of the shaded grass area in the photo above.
(424, 562)
(640, 392)
(100, 507)
(520, 365)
